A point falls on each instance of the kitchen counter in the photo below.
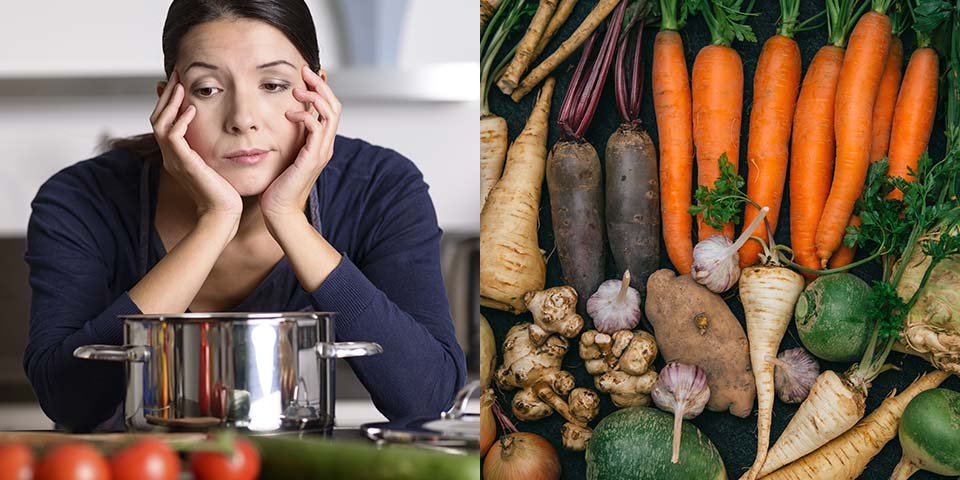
(28, 416)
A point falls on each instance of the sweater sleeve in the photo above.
(72, 304)
(394, 295)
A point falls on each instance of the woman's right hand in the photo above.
(213, 195)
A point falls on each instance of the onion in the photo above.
(488, 424)
(522, 456)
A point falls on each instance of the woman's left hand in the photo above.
(287, 195)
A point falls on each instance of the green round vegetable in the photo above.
(636, 443)
(930, 431)
(831, 317)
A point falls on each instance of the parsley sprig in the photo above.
(723, 203)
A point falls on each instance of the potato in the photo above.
(694, 326)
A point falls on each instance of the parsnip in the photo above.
(512, 263)
(848, 455)
(769, 293)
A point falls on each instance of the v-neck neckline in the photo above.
(160, 250)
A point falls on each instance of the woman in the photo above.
(242, 199)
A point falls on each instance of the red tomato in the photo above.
(16, 462)
(73, 461)
(148, 459)
(244, 465)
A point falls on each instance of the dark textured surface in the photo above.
(734, 437)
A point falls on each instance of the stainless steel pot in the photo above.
(263, 372)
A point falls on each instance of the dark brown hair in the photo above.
(292, 17)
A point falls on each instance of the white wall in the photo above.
(42, 134)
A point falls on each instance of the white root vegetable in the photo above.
(493, 152)
(560, 16)
(526, 48)
(846, 456)
(570, 45)
(512, 263)
(768, 293)
(832, 407)
(487, 9)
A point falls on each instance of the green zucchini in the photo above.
(831, 317)
(930, 431)
(636, 443)
(288, 458)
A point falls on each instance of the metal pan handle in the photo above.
(348, 349)
(460, 403)
(113, 353)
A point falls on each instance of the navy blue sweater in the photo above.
(83, 244)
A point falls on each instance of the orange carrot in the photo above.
(812, 153)
(886, 100)
(844, 255)
(880, 139)
(717, 105)
(671, 101)
(913, 116)
(775, 86)
(857, 89)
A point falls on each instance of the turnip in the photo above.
(831, 317)
(930, 434)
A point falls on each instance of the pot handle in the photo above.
(460, 403)
(348, 349)
(113, 353)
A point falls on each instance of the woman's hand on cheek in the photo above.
(208, 189)
(287, 195)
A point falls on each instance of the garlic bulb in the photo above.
(683, 390)
(716, 264)
(615, 305)
(794, 373)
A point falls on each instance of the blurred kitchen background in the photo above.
(75, 73)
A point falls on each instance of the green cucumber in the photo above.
(831, 317)
(288, 457)
(930, 431)
(636, 443)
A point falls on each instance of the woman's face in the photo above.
(240, 76)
